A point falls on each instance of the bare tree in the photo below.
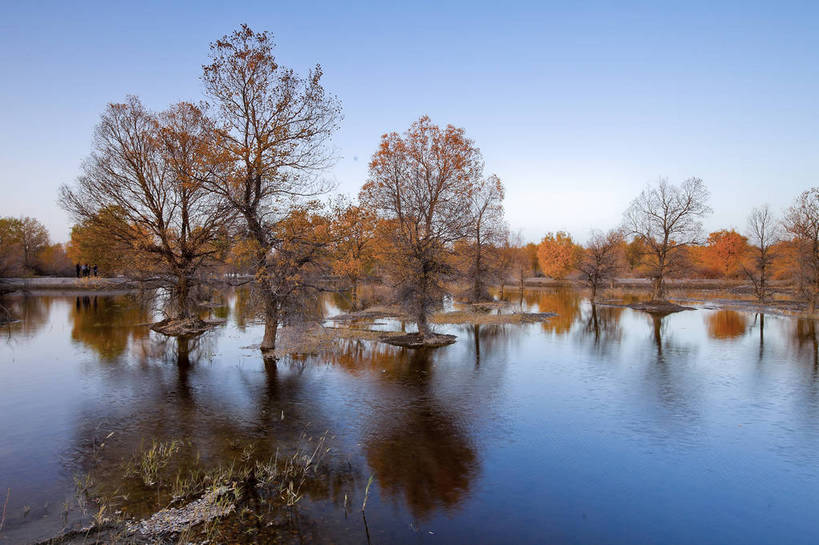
(273, 132)
(487, 234)
(148, 169)
(802, 222)
(763, 233)
(419, 183)
(666, 219)
(602, 260)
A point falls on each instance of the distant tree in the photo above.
(33, 238)
(530, 250)
(53, 260)
(764, 232)
(11, 251)
(272, 131)
(150, 169)
(635, 251)
(557, 254)
(601, 260)
(725, 251)
(665, 218)
(91, 242)
(354, 244)
(802, 223)
(419, 183)
(487, 232)
(22, 241)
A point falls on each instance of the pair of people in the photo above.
(85, 270)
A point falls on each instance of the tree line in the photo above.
(234, 187)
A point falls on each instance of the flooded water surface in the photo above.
(602, 425)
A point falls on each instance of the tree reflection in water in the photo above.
(726, 324)
(601, 326)
(806, 341)
(28, 314)
(417, 451)
(107, 325)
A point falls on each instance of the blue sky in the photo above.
(576, 106)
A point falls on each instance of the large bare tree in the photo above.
(420, 183)
(273, 130)
(143, 185)
(802, 223)
(764, 232)
(666, 219)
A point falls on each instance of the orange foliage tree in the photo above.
(144, 185)
(725, 251)
(271, 134)
(354, 244)
(557, 254)
(420, 182)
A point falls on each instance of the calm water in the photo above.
(601, 426)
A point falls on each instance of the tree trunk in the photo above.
(477, 287)
(271, 317)
(423, 326)
(659, 289)
(354, 295)
(182, 293)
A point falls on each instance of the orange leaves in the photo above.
(724, 252)
(557, 254)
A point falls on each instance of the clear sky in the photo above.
(575, 105)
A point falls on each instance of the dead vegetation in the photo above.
(192, 501)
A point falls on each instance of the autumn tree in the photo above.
(487, 233)
(151, 169)
(557, 254)
(299, 265)
(272, 131)
(601, 260)
(764, 233)
(515, 262)
(53, 260)
(22, 241)
(33, 238)
(11, 252)
(666, 219)
(354, 244)
(91, 243)
(635, 251)
(802, 223)
(419, 183)
(725, 251)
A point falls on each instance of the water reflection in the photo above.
(417, 450)
(514, 433)
(726, 324)
(108, 324)
(29, 314)
(806, 341)
(601, 325)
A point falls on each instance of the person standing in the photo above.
(78, 270)
(95, 270)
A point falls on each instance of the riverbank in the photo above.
(63, 284)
